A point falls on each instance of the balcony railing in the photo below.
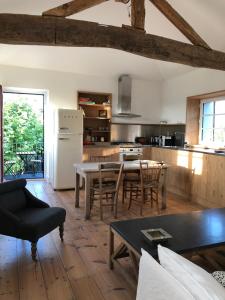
(22, 160)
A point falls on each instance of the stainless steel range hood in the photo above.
(124, 98)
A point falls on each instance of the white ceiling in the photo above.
(205, 16)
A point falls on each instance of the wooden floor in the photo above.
(75, 269)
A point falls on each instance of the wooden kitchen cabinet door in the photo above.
(147, 153)
(100, 151)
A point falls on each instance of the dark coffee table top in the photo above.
(191, 231)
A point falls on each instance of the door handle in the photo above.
(63, 139)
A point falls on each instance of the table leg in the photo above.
(164, 190)
(111, 248)
(87, 197)
(77, 189)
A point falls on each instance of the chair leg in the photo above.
(130, 199)
(157, 201)
(123, 193)
(101, 208)
(115, 205)
(34, 251)
(61, 231)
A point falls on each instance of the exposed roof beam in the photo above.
(138, 14)
(51, 31)
(123, 1)
(172, 15)
(72, 7)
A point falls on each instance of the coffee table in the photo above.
(193, 231)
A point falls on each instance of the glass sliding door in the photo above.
(23, 135)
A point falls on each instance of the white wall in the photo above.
(146, 101)
(63, 87)
(176, 90)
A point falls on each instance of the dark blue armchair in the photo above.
(24, 216)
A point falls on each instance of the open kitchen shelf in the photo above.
(95, 105)
(97, 109)
(98, 118)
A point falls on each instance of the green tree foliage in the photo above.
(23, 131)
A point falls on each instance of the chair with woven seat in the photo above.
(103, 159)
(130, 181)
(147, 190)
(130, 178)
(24, 216)
(106, 192)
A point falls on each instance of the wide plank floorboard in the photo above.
(76, 269)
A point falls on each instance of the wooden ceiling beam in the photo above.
(138, 14)
(72, 7)
(75, 6)
(173, 16)
(52, 31)
(123, 1)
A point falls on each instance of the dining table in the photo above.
(90, 170)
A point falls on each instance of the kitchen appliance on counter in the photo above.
(67, 147)
(142, 140)
(167, 141)
(155, 140)
(130, 151)
(179, 138)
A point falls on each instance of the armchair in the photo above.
(24, 216)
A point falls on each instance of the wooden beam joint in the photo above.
(179, 22)
(138, 14)
(72, 8)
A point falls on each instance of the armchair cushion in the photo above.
(37, 222)
(12, 195)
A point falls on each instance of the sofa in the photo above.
(175, 278)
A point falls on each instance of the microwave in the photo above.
(167, 141)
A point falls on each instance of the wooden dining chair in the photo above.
(102, 158)
(131, 178)
(106, 193)
(147, 189)
(98, 158)
(130, 181)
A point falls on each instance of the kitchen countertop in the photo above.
(199, 150)
(105, 145)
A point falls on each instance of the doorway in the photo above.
(23, 135)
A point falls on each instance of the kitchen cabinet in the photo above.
(147, 153)
(194, 176)
(100, 151)
(179, 175)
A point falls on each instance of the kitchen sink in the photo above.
(219, 151)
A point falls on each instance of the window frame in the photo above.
(202, 102)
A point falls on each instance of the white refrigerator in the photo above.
(68, 147)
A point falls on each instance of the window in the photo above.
(212, 122)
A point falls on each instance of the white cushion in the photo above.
(197, 281)
(155, 283)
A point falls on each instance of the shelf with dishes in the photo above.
(97, 116)
(97, 131)
(94, 105)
